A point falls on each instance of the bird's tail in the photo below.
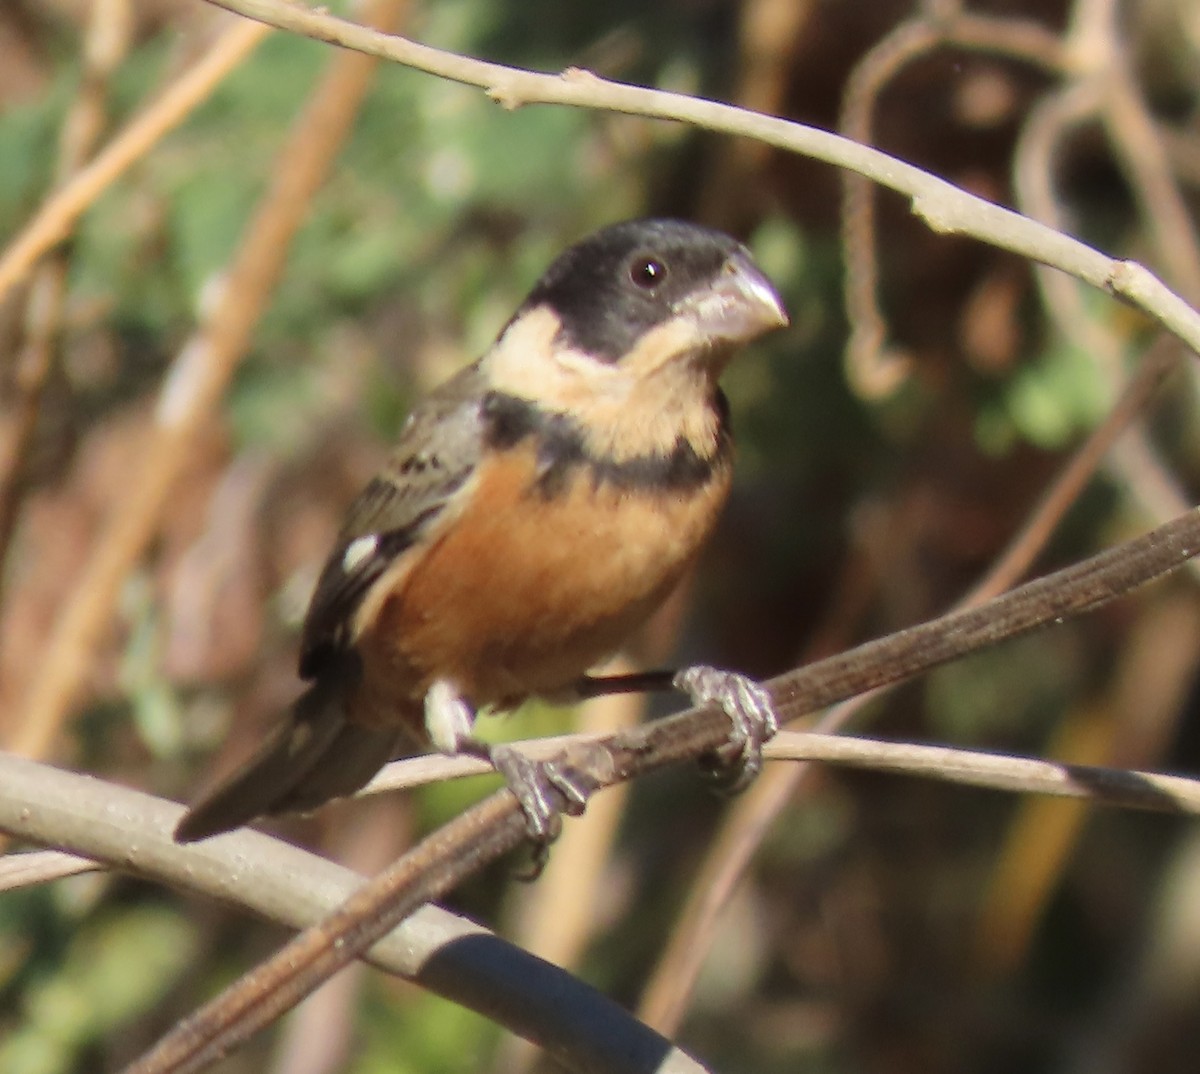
(316, 755)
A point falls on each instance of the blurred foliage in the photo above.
(424, 1036)
(852, 947)
(114, 962)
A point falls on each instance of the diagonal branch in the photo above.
(747, 823)
(496, 826)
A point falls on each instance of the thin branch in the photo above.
(36, 786)
(1071, 591)
(1098, 40)
(1021, 775)
(665, 998)
(1135, 461)
(496, 826)
(33, 867)
(871, 366)
(132, 831)
(944, 207)
(1046, 127)
(436, 864)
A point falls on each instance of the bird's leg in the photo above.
(637, 682)
(745, 701)
(449, 719)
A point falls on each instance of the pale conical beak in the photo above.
(739, 306)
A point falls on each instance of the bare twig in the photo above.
(1138, 146)
(496, 826)
(1023, 775)
(944, 207)
(1071, 591)
(666, 995)
(35, 867)
(871, 366)
(1135, 461)
(561, 914)
(132, 831)
(1049, 123)
(31, 786)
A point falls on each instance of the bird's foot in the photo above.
(545, 789)
(752, 716)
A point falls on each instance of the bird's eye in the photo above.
(647, 272)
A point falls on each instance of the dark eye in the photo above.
(647, 272)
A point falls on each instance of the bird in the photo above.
(537, 507)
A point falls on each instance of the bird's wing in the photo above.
(438, 450)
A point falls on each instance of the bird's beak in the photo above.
(739, 306)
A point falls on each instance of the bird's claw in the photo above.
(540, 787)
(752, 717)
(543, 788)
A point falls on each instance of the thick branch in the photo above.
(495, 826)
(447, 954)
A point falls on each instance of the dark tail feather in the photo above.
(315, 756)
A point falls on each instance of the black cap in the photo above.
(615, 285)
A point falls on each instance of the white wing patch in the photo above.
(359, 551)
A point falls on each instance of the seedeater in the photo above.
(537, 508)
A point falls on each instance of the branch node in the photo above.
(506, 95)
(939, 214)
(581, 76)
(1124, 278)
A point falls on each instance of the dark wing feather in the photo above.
(437, 452)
